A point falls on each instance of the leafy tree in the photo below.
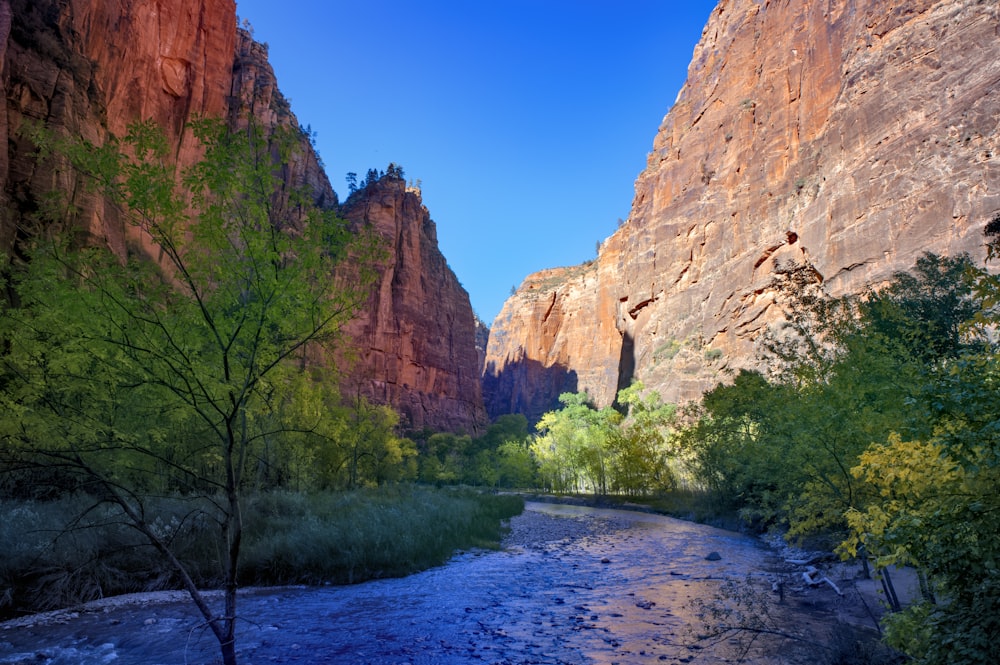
(137, 377)
(936, 505)
(507, 445)
(739, 445)
(372, 452)
(843, 374)
(641, 453)
(515, 464)
(579, 446)
(571, 450)
(445, 459)
(937, 511)
(878, 418)
(925, 310)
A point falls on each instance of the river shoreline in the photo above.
(589, 555)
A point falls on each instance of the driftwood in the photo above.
(811, 577)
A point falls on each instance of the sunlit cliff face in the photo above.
(846, 137)
(90, 68)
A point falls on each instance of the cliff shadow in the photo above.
(526, 387)
(626, 363)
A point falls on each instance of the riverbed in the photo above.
(572, 585)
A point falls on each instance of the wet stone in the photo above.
(551, 595)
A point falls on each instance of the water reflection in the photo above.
(617, 597)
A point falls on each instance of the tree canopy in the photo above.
(135, 375)
(875, 427)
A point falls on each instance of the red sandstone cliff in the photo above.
(852, 135)
(90, 67)
(416, 336)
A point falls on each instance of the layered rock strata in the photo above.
(90, 67)
(417, 334)
(848, 136)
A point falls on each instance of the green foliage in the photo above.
(938, 509)
(844, 373)
(580, 448)
(926, 311)
(738, 445)
(498, 458)
(876, 425)
(571, 448)
(140, 377)
(291, 538)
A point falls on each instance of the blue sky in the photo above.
(526, 121)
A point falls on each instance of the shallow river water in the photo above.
(618, 595)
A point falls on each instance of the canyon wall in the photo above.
(417, 335)
(88, 68)
(848, 136)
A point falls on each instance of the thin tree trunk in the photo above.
(890, 591)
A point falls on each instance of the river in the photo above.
(618, 589)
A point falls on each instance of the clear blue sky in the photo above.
(527, 121)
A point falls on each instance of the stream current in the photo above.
(618, 592)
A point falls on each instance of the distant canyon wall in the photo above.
(417, 335)
(90, 67)
(847, 135)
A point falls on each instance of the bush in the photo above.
(51, 557)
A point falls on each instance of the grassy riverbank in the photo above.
(51, 557)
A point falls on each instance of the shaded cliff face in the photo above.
(416, 337)
(851, 136)
(90, 67)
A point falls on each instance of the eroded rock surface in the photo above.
(90, 67)
(848, 136)
(417, 335)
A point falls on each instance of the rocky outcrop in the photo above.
(416, 336)
(551, 317)
(848, 136)
(89, 68)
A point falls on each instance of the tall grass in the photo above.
(366, 534)
(60, 553)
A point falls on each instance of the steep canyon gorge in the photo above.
(88, 68)
(844, 137)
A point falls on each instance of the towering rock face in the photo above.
(847, 136)
(90, 67)
(416, 336)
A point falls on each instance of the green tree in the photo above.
(136, 376)
(515, 464)
(738, 445)
(446, 459)
(925, 310)
(842, 374)
(642, 457)
(936, 505)
(372, 451)
(571, 449)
